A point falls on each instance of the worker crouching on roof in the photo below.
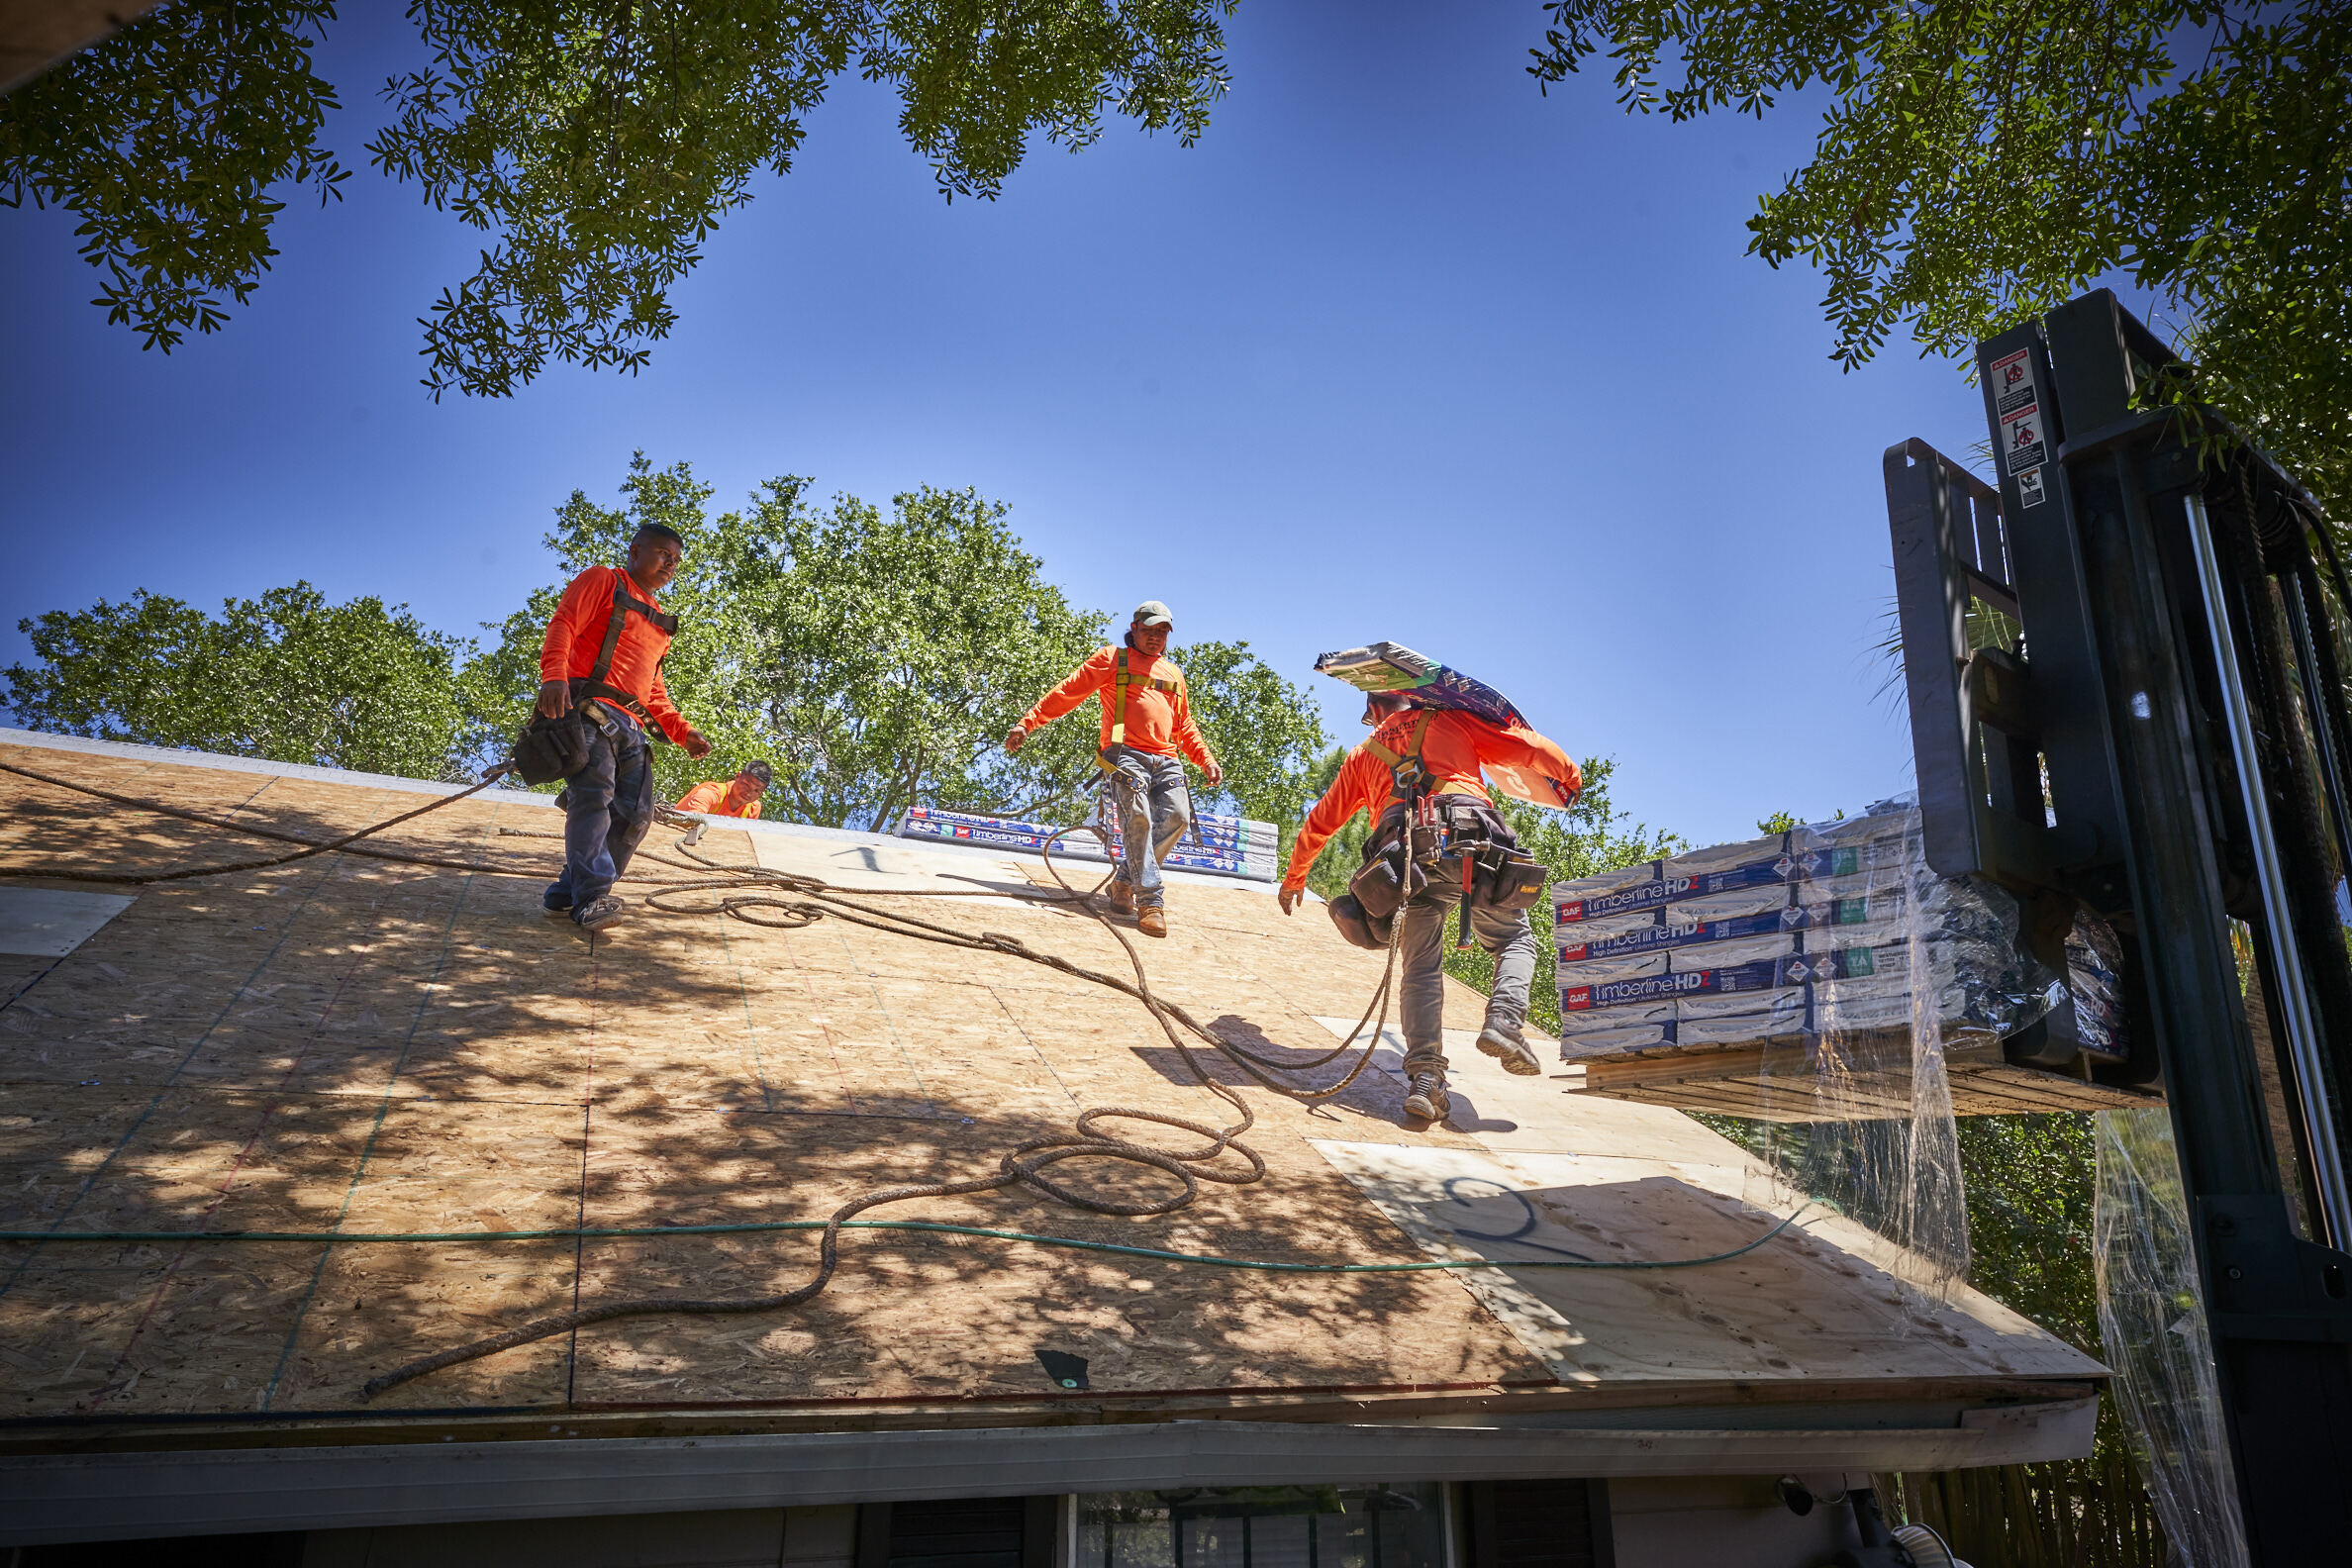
(738, 797)
(1421, 765)
(602, 660)
(1146, 721)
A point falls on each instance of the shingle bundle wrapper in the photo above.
(1799, 933)
(1229, 845)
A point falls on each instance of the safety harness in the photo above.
(1122, 677)
(1410, 773)
(594, 684)
(548, 750)
(1421, 828)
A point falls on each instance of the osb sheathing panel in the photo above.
(344, 1045)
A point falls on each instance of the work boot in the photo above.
(1429, 1098)
(1121, 897)
(606, 911)
(1515, 1054)
(555, 903)
(1152, 921)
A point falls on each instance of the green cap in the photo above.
(1152, 612)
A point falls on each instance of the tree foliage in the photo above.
(2030, 1182)
(168, 140)
(286, 676)
(876, 661)
(1265, 731)
(1979, 163)
(905, 647)
(596, 144)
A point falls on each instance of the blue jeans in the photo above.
(608, 806)
(1155, 808)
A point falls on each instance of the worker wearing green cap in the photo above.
(1147, 723)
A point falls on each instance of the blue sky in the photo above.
(1400, 349)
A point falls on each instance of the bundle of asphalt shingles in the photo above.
(1230, 846)
(1798, 932)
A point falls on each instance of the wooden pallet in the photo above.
(1782, 1080)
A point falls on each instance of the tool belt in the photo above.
(1455, 836)
(548, 750)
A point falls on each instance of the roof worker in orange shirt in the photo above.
(1423, 764)
(1147, 722)
(738, 797)
(601, 661)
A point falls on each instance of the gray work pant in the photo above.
(1421, 949)
(1154, 810)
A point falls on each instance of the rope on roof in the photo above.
(786, 901)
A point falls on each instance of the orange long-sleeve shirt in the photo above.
(1158, 711)
(575, 635)
(1454, 749)
(709, 798)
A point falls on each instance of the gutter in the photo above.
(52, 1499)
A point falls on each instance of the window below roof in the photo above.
(1400, 1525)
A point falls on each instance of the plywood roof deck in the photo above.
(354, 1046)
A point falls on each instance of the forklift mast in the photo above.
(2126, 666)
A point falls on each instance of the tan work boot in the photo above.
(1428, 1099)
(1515, 1054)
(1121, 897)
(1152, 921)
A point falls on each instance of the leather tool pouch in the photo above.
(548, 750)
(1512, 885)
(1507, 877)
(1387, 881)
(1357, 926)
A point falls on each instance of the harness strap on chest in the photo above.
(1121, 677)
(1413, 745)
(595, 683)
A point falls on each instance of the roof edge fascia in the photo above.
(62, 1498)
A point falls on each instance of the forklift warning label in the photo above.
(2011, 379)
(2021, 436)
(2029, 488)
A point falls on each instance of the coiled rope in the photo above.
(757, 895)
(783, 900)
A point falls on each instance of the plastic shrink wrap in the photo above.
(1834, 946)
(1801, 934)
(2152, 1328)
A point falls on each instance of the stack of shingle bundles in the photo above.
(1235, 845)
(1230, 846)
(932, 822)
(1793, 934)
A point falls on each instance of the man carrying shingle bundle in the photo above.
(1438, 843)
(1147, 722)
(600, 667)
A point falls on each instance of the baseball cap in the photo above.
(1152, 612)
(760, 771)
